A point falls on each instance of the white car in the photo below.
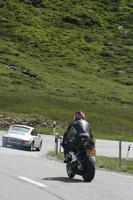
(22, 136)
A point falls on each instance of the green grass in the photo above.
(113, 164)
(59, 156)
(81, 54)
(105, 163)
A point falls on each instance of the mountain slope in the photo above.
(57, 57)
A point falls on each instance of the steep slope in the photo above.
(57, 57)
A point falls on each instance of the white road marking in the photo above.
(32, 181)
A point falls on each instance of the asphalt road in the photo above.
(33, 176)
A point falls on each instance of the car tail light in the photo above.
(25, 142)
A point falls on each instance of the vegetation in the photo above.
(113, 164)
(105, 163)
(57, 57)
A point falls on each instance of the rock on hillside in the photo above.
(8, 121)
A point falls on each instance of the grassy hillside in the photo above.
(57, 57)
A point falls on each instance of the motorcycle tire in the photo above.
(89, 169)
(69, 170)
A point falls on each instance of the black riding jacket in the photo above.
(74, 129)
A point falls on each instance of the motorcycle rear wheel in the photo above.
(69, 170)
(89, 169)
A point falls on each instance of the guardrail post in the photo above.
(56, 144)
(54, 127)
(58, 140)
(60, 144)
(120, 151)
(129, 147)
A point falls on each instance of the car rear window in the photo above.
(20, 129)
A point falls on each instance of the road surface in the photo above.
(32, 176)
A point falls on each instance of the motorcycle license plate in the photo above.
(91, 152)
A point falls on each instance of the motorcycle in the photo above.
(82, 162)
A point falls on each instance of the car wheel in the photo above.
(4, 143)
(39, 148)
(31, 147)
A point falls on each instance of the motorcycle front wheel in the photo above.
(89, 169)
(69, 170)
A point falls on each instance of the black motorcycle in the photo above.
(85, 153)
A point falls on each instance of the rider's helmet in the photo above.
(79, 115)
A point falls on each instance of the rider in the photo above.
(78, 126)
